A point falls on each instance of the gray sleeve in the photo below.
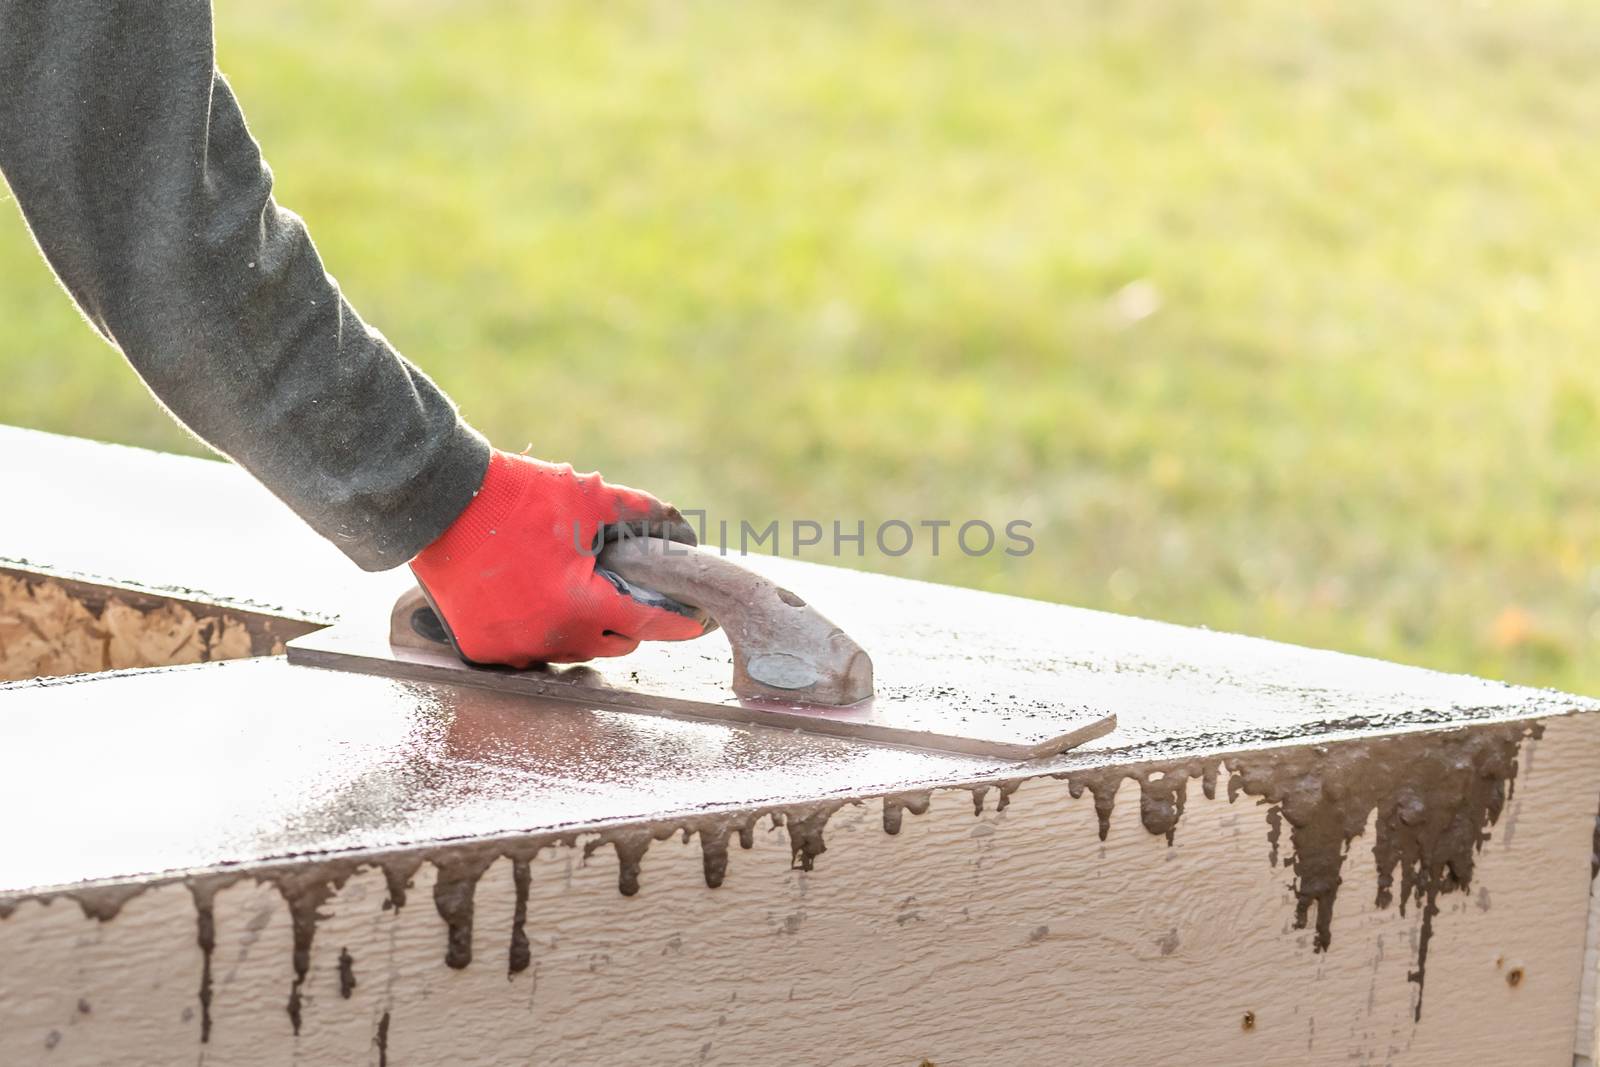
(130, 160)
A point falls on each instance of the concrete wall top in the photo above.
(255, 760)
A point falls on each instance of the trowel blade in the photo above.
(688, 680)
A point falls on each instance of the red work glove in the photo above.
(514, 580)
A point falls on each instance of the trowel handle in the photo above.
(783, 649)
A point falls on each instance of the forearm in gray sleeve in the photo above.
(131, 162)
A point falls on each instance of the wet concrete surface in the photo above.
(227, 763)
(230, 763)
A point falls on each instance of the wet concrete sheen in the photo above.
(230, 763)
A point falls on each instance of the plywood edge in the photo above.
(53, 625)
(93, 588)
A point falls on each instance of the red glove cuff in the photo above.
(484, 514)
(514, 577)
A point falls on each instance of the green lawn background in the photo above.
(1275, 318)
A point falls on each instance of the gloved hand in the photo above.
(514, 580)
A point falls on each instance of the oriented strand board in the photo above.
(55, 625)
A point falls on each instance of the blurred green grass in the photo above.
(1276, 319)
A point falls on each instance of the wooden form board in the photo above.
(953, 926)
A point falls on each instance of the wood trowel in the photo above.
(791, 667)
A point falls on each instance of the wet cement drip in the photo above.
(105, 901)
(204, 894)
(630, 846)
(1162, 796)
(714, 845)
(381, 1039)
(714, 855)
(521, 954)
(979, 792)
(305, 890)
(1594, 852)
(1435, 796)
(805, 833)
(453, 892)
(1103, 787)
(896, 805)
(306, 887)
(397, 874)
(347, 973)
(1163, 792)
